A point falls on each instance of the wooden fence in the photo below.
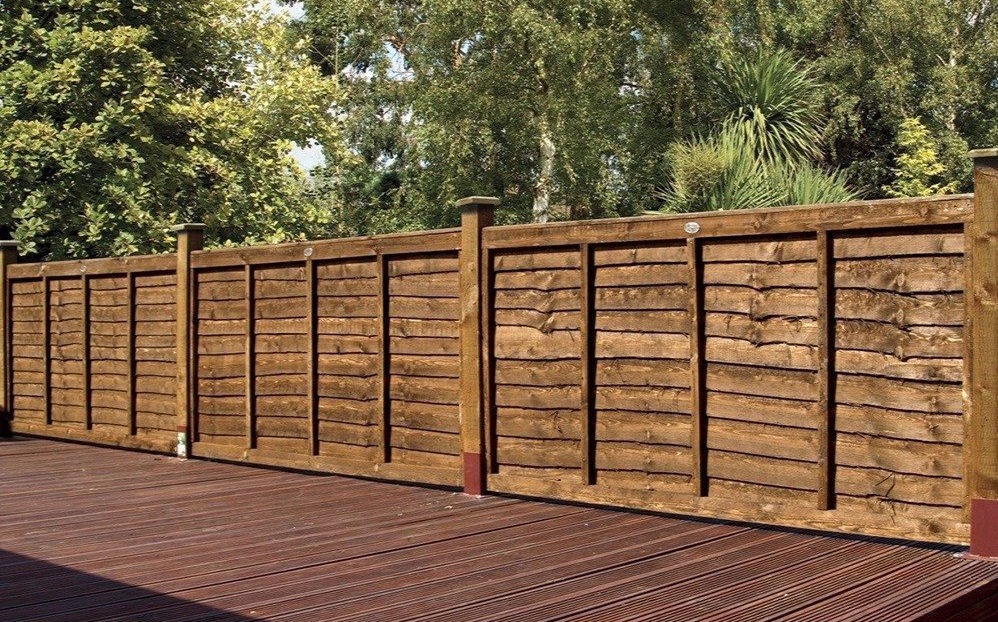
(822, 367)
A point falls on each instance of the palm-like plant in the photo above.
(762, 154)
(771, 99)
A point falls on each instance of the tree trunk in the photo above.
(545, 176)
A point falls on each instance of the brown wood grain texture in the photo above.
(982, 421)
(699, 456)
(8, 258)
(190, 238)
(249, 350)
(86, 372)
(826, 282)
(771, 221)
(969, 355)
(312, 357)
(489, 318)
(130, 354)
(761, 354)
(537, 370)
(589, 279)
(476, 280)
(47, 348)
(107, 266)
(384, 352)
(341, 249)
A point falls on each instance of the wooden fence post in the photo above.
(476, 213)
(982, 421)
(190, 237)
(8, 256)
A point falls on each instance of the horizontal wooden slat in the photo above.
(326, 250)
(787, 220)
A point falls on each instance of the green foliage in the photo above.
(760, 155)
(725, 172)
(119, 119)
(918, 171)
(772, 100)
(454, 97)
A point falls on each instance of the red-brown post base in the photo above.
(474, 474)
(984, 528)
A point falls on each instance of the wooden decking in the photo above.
(92, 534)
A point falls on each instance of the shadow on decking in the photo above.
(31, 589)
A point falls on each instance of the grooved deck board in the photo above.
(102, 534)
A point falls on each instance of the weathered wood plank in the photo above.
(901, 456)
(901, 243)
(638, 457)
(513, 261)
(908, 275)
(517, 342)
(740, 352)
(648, 428)
(538, 424)
(641, 275)
(783, 302)
(440, 285)
(764, 440)
(542, 302)
(638, 373)
(739, 467)
(761, 276)
(899, 424)
(674, 253)
(911, 395)
(765, 250)
(778, 411)
(539, 453)
(763, 381)
(886, 485)
(642, 345)
(901, 310)
(772, 330)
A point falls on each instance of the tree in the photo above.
(518, 98)
(885, 61)
(119, 119)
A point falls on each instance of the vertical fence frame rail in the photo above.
(826, 371)
(250, 356)
(130, 355)
(312, 362)
(190, 237)
(8, 256)
(698, 369)
(384, 359)
(88, 422)
(587, 362)
(47, 348)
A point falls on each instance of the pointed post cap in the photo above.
(188, 226)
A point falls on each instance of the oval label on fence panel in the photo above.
(691, 227)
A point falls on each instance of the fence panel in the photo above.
(93, 350)
(802, 367)
(337, 355)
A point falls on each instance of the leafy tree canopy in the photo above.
(121, 118)
(572, 109)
